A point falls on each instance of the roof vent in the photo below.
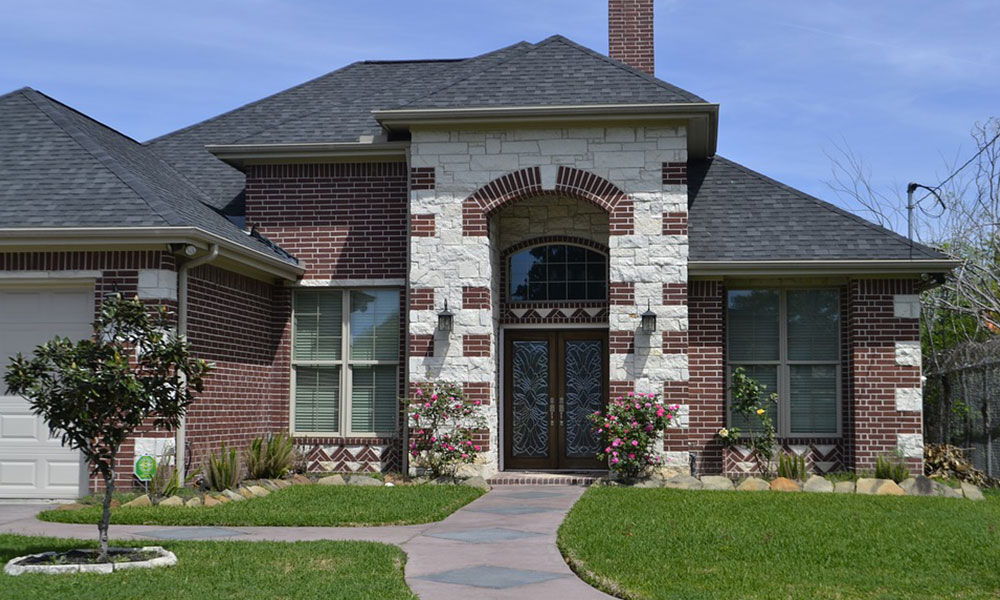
(630, 33)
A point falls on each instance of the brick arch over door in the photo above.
(527, 183)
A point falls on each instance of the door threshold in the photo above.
(550, 477)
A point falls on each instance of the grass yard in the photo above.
(679, 544)
(240, 570)
(300, 505)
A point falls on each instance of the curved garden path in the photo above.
(501, 545)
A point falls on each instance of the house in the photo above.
(545, 195)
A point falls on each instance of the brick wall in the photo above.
(706, 384)
(344, 220)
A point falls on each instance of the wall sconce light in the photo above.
(446, 318)
(648, 319)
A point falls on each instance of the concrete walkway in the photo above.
(502, 545)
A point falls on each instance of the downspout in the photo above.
(182, 326)
(405, 425)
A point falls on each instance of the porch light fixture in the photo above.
(445, 318)
(648, 319)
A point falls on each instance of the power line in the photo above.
(959, 170)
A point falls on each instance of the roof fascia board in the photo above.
(833, 267)
(103, 237)
(239, 155)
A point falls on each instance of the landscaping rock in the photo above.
(171, 501)
(233, 496)
(651, 482)
(258, 491)
(947, 491)
(210, 501)
(299, 479)
(753, 484)
(664, 473)
(467, 471)
(443, 480)
(269, 485)
(196, 501)
(476, 482)
(818, 484)
(331, 480)
(282, 483)
(246, 493)
(843, 487)
(784, 484)
(362, 480)
(222, 498)
(683, 482)
(140, 501)
(879, 487)
(971, 492)
(717, 482)
(919, 486)
(70, 506)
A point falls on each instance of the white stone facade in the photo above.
(465, 160)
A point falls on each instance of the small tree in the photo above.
(95, 392)
(750, 403)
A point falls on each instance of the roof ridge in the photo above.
(621, 65)
(144, 192)
(249, 104)
(529, 48)
(830, 207)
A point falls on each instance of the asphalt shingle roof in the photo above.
(737, 214)
(64, 169)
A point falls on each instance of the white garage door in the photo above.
(33, 465)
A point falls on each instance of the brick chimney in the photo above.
(630, 33)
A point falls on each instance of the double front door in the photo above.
(553, 381)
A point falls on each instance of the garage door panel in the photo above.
(33, 464)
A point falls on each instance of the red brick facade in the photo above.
(630, 33)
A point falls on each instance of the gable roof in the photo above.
(736, 214)
(64, 169)
(338, 106)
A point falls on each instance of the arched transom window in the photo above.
(558, 272)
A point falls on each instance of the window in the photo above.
(558, 272)
(345, 361)
(789, 340)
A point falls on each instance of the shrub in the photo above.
(223, 470)
(891, 468)
(270, 457)
(443, 422)
(165, 482)
(792, 466)
(749, 402)
(629, 428)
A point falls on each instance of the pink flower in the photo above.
(607, 450)
(433, 439)
(476, 448)
(660, 412)
(631, 456)
(635, 442)
(614, 461)
(434, 397)
(477, 402)
(616, 443)
(464, 455)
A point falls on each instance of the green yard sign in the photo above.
(145, 468)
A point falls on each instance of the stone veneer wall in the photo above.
(545, 216)
(453, 250)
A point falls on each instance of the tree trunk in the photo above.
(102, 527)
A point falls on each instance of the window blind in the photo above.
(373, 398)
(317, 399)
(813, 391)
(374, 325)
(753, 325)
(318, 326)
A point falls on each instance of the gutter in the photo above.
(182, 327)
(102, 237)
(240, 155)
(821, 267)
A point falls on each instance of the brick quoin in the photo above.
(421, 298)
(475, 344)
(621, 342)
(475, 297)
(344, 220)
(621, 294)
(620, 388)
(675, 342)
(421, 344)
(675, 223)
(675, 294)
(477, 391)
(873, 333)
(422, 178)
(422, 225)
(630, 33)
(527, 183)
(675, 173)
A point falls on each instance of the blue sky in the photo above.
(898, 81)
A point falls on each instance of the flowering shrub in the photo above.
(442, 423)
(750, 403)
(628, 430)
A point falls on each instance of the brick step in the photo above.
(546, 478)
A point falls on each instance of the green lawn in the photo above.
(239, 570)
(679, 544)
(300, 505)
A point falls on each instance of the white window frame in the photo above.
(346, 365)
(783, 364)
